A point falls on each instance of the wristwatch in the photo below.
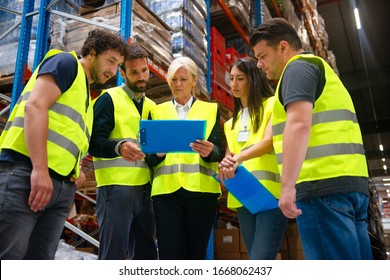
(119, 146)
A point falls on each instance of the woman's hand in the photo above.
(227, 168)
(202, 147)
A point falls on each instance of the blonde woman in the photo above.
(184, 192)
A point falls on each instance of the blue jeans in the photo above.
(126, 223)
(262, 233)
(25, 234)
(334, 227)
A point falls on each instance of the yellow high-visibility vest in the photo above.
(189, 171)
(335, 146)
(264, 168)
(117, 171)
(70, 123)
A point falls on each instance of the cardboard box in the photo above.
(147, 15)
(244, 256)
(284, 245)
(292, 229)
(220, 74)
(285, 255)
(218, 92)
(296, 255)
(231, 55)
(105, 11)
(227, 240)
(228, 256)
(294, 243)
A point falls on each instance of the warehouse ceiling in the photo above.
(363, 62)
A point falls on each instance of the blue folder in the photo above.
(170, 136)
(247, 189)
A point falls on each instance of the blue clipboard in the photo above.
(249, 191)
(170, 136)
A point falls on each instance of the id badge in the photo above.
(243, 136)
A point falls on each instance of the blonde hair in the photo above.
(184, 62)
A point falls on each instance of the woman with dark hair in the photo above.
(250, 125)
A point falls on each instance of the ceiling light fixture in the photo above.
(385, 179)
(385, 168)
(381, 147)
(357, 19)
(386, 184)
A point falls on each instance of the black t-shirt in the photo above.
(63, 67)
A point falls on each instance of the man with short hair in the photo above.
(318, 143)
(124, 208)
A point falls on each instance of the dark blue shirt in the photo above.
(63, 67)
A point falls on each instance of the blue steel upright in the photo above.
(125, 25)
(23, 48)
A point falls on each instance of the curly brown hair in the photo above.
(101, 40)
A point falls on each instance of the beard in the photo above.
(135, 88)
(96, 75)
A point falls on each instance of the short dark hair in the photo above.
(101, 40)
(275, 30)
(134, 50)
(259, 90)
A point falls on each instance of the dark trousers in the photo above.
(183, 223)
(126, 223)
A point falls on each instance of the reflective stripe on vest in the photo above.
(266, 175)
(321, 117)
(69, 123)
(265, 167)
(330, 150)
(335, 146)
(186, 168)
(52, 136)
(119, 162)
(188, 171)
(117, 171)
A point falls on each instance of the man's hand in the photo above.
(41, 190)
(287, 203)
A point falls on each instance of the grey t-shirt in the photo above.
(304, 81)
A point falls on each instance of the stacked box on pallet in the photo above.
(231, 56)
(186, 18)
(149, 31)
(220, 89)
(10, 39)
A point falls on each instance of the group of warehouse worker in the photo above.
(301, 140)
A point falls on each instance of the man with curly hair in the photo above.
(44, 139)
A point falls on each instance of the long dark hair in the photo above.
(259, 90)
